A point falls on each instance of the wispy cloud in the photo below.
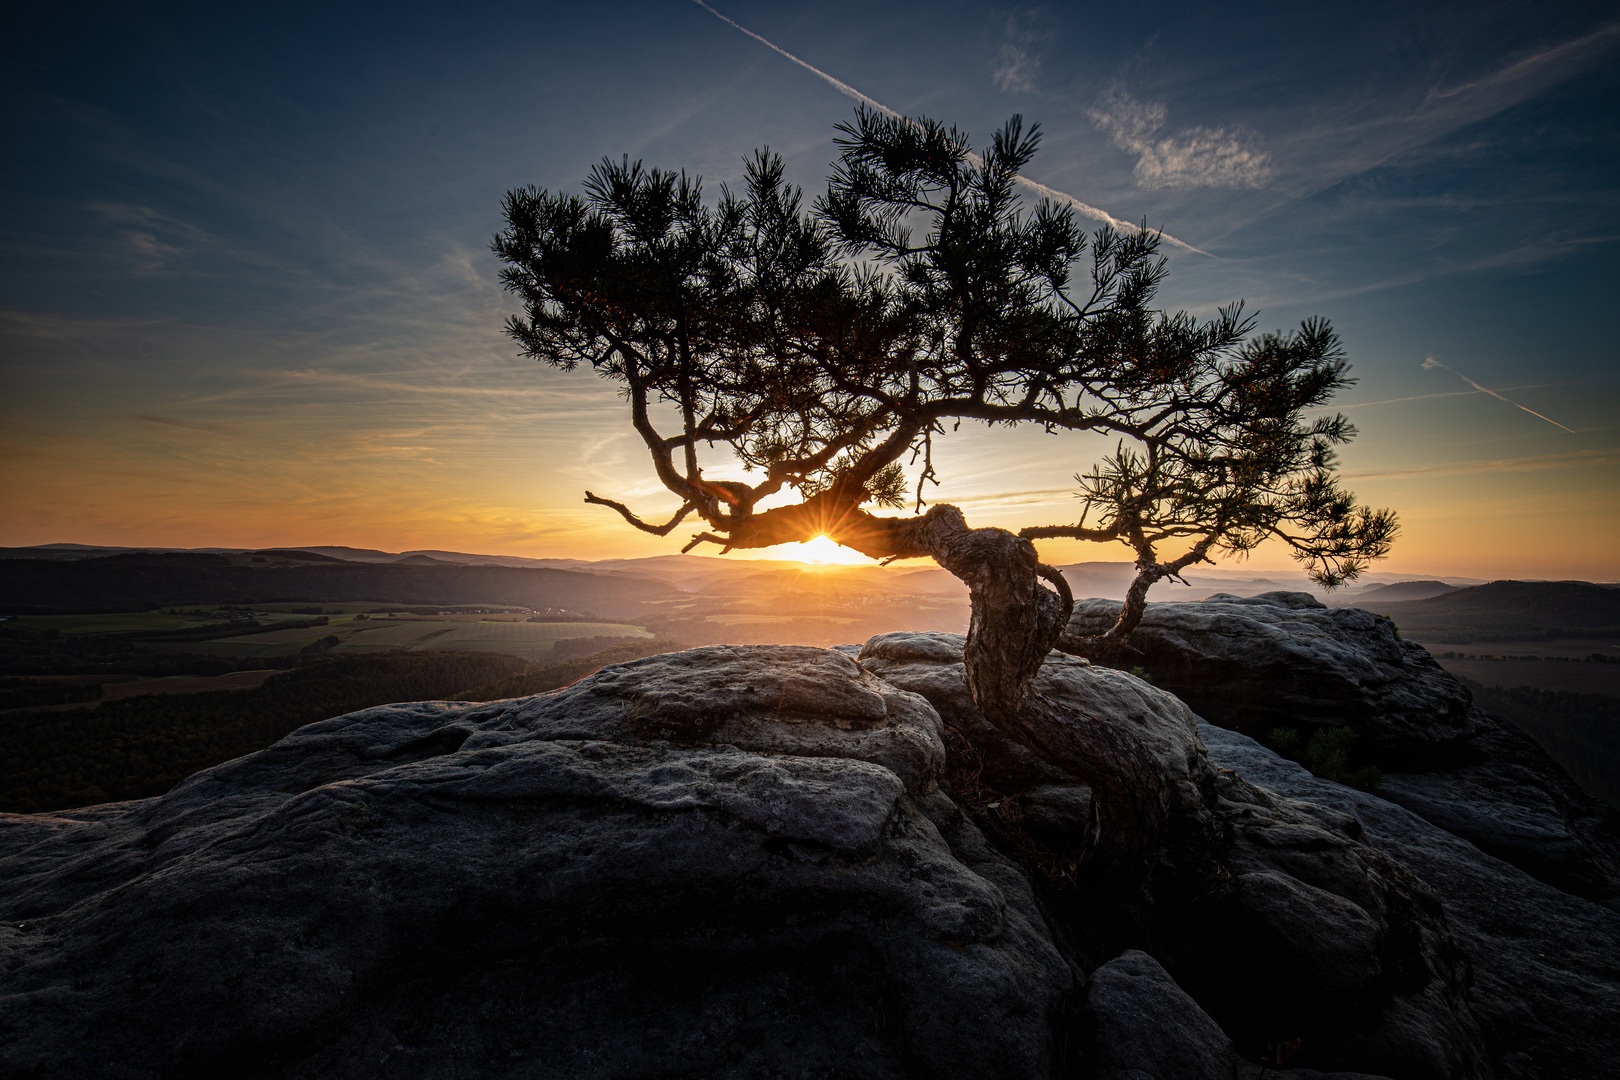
(1019, 60)
(1194, 157)
(1427, 397)
(1332, 149)
(1558, 60)
(1062, 198)
(1573, 459)
(1430, 363)
(189, 425)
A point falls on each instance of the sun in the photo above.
(822, 552)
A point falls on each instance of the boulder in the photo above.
(1283, 658)
(779, 861)
(1544, 964)
(1507, 797)
(449, 890)
(1271, 913)
(1145, 1027)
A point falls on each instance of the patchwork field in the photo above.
(111, 624)
(1575, 677)
(453, 633)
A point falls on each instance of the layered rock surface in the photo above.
(1283, 659)
(779, 861)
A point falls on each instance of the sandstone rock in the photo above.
(1147, 1028)
(1282, 659)
(1275, 917)
(1251, 663)
(1316, 939)
(776, 861)
(930, 665)
(1545, 964)
(1507, 797)
(499, 890)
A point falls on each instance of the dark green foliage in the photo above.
(538, 680)
(1579, 731)
(32, 583)
(142, 746)
(1328, 752)
(31, 693)
(316, 649)
(567, 648)
(828, 348)
(26, 652)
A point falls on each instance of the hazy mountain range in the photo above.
(706, 573)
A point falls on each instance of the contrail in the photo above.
(1040, 189)
(1430, 363)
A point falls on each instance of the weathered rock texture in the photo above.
(1271, 914)
(1251, 663)
(782, 862)
(1283, 659)
(1545, 964)
(582, 883)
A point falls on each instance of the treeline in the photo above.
(32, 693)
(142, 746)
(183, 579)
(48, 652)
(1580, 731)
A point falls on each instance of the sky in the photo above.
(247, 297)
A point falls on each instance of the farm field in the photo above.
(128, 622)
(112, 624)
(530, 640)
(1574, 676)
(173, 684)
(421, 634)
(751, 617)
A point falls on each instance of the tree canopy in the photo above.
(825, 347)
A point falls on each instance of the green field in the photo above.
(453, 633)
(113, 624)
(127, 622)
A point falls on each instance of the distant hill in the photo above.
(1400, 591)
(178, 578)
(1508, 611)
(298, 555)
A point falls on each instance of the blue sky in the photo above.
(247, 296)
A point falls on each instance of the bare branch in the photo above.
(624, 511)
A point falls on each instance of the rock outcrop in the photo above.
(543, 886)
(1284, 660)
(1545, 964)
(1271, 914)
(783, 861)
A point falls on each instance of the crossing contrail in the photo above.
(1431, 363)
(1040, 189)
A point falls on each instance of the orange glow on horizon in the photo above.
(821, 551)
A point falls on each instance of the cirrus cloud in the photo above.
(1194, 157)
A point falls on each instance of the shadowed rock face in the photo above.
(1545, 964)
(1272, 914)
(771, 861)
(1282, 659)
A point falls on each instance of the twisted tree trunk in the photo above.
(1016, 621)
